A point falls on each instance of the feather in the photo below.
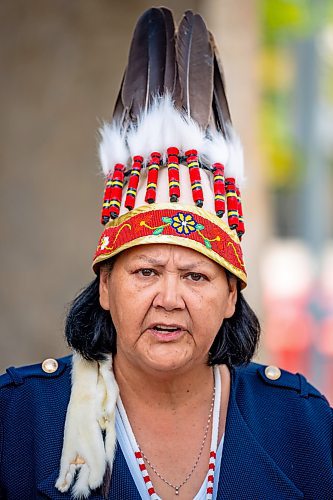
(235, 165)
(195, 67)
(220, 103)
(170, 53)
(191, 135)
(146, 136)
(112, 149)
(215, 149)
(144, 77)
(118, 110)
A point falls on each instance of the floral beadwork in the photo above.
(182, 223)
(105, 242)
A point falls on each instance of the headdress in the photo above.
(174, 167)
(172, 161)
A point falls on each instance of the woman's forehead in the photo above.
(162, 254)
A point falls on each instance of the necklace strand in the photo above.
(175, 487)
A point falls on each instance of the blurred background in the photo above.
(61, 67)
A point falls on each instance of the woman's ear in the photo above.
(104, 276)
(232, 297)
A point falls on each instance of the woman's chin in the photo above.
(167, 357)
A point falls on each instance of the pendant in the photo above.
(177, 490)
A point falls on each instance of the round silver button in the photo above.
(50, 365)
(272, 372)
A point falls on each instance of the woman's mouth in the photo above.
(166, 333)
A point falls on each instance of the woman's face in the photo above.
(167, 304)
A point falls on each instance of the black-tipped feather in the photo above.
(120, 113)
(220, 104)
(195, 67)
(144, 77)
(170, 53)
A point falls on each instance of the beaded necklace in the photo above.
(212, 455)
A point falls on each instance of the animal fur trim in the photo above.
(90, 411)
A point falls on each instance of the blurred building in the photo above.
(62, 64)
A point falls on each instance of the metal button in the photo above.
(50, 365)
(272, 372)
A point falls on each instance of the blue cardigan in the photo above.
(278, 438)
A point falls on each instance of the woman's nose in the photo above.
(169, 295)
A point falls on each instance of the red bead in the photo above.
(232, 203)
(219, 189)
(195, 177)
(173, 174)
(152, 177)
(241, 226)
(133, 182)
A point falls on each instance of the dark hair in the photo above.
(90, 331)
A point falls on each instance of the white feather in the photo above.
(215, 149)
(235, 165)
(112, 148)
(146, 136)
(171, 121)
(191, 135)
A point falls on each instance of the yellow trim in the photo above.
(180, 241)
(231, 193)
(153, 166)
(118, 183)
(193, 164)
(151, 185)
(173, 165)
(114, 203)
(220, 197)
(196, 184)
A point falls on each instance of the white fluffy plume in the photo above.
(112, 148)
(215, 149)
(161, 127)
(147, 135)
(235, 165)
(172, 123)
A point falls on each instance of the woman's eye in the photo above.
(196, 277)
(146, 272)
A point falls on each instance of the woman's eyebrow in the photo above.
(159, 263)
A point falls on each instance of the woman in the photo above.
(160, 399)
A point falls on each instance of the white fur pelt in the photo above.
(90, 411)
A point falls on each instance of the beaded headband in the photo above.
(172, 162)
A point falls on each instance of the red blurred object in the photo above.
(288, 335)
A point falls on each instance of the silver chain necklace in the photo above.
(177, 487)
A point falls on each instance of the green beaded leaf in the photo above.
(159, 230)
(207, 243)
(199, 227)
(167, 220)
